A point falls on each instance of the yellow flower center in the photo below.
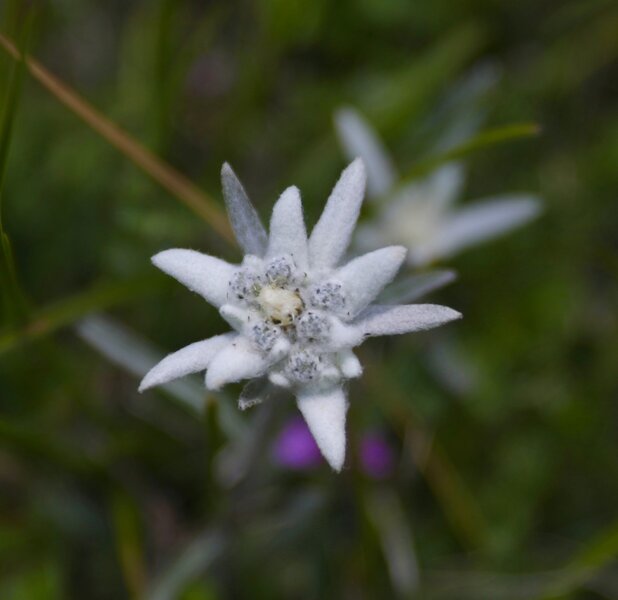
(280, 306)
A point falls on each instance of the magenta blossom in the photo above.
(296, 449)
(376, 456)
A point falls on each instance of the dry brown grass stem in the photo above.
(169, 178)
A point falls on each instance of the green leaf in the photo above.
(128, 532)
(30, 440)
(40, 582)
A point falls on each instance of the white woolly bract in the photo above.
(235, 362)
(205, 275)
(365, 277)
(190, 359)
(325, 414)
(287, 229)
(422, 215)
(244, 219)
(331, 235)
(295, 312)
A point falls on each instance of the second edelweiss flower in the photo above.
(295, 312)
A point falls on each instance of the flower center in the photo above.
(280, 306)
(412, 223)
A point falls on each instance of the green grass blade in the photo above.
(72, 309)
(9, 108)
(135, 355)
(594, 556)
(391, 102)
(192, 561)
(387, 514)
(448, 485)
(167, 177)
(9, 112)
(164, 84)
(29, 441)
(484, 140)
(128, 533)
(12, 298)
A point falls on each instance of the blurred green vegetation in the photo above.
(505, 490)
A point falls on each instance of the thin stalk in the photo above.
(166, 176)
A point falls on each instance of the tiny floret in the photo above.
(303, 366)
(313, 327)
(265, 336)
(280, 270)
(328, 296)
(296, 313)
(245, 285)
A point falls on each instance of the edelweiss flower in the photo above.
(296, 314)
(422, 215)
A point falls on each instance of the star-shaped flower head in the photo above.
(296, 313)
(423, 215)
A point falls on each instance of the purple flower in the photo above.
(376, 456)
(295, 447)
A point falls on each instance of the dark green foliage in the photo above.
(504, 490)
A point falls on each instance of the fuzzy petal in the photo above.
(364, 277)
(430, 197)
(331, 235)
(479, 222)
(279, 379)
(445, 185)
(287, 228)
(343, 335)
(358, 138)
(245, 221)
(237, 317)
(393, 320)
(236, 361)
(207, 276)
(190, 359)
(349, 364)
(325, 414)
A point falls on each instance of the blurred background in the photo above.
(482, 458)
